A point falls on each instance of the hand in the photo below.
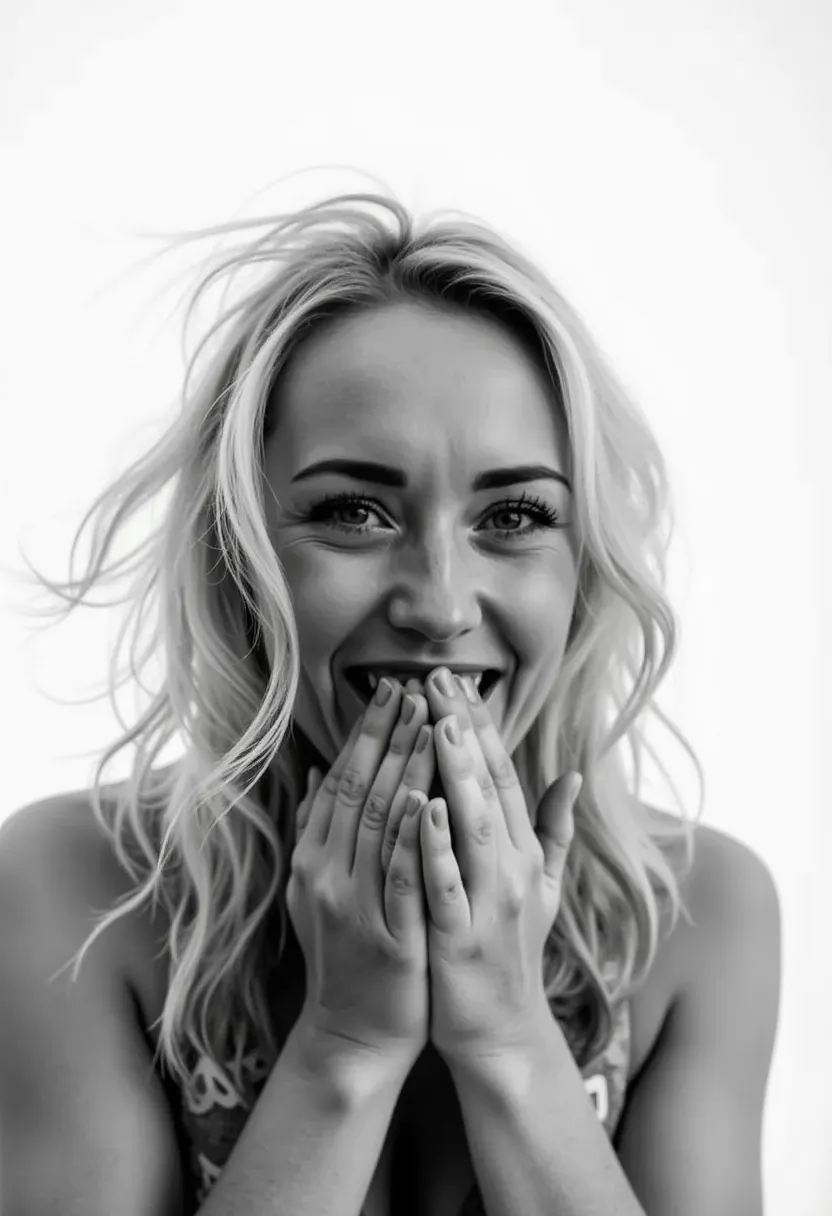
(492, 902)
(363, 932)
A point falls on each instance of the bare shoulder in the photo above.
(690, 1133)
(58, 866)
(729, 1003)
(60, 830)
(83, 1112)
(728, 886)
(729, 946)
(730, 894)
(55, 848)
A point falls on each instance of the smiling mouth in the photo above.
(358, 679)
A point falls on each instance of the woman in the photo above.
(403, 458)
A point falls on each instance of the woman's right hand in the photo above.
(355, 892)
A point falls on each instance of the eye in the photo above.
(326, 509)
(541, 512)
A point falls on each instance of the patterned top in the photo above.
(213, 1114)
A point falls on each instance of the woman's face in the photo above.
(435, 564)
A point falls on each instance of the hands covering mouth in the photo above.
(364, 678)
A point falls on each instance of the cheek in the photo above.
(541, 616)
(329, 598)
(330, 603)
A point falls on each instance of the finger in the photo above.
(421, 766)
(500, 770)
(556, 825)
(353, 785)
(313, 781)
(417, 775)
(471, 725)
(448, 903)
(476, 826)
(404, 903)
(321, 803)
(458, 703)
(369, 849)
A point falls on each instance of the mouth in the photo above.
(364, 683)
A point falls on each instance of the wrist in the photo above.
(504, 1050)
(356, 1070)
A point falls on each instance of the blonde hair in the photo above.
(205, 837)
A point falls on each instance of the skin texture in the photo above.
(424, 572)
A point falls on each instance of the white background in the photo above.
(668, 164)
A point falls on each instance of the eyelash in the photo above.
(545, 516)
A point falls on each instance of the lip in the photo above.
(423, 668)
(421, 672)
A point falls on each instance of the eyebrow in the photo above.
(386, 475)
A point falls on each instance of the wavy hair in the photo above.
(209, 836)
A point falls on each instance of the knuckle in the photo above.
(448, 892)
(375, 811)
(483, 830)
(353, 786)
(327, 897)
(401, 879)
(331, 783)
(513, 898)
(300, 866)
(504, 775)
(487, 785)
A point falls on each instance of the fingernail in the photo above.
(452, 731)
(444, 683)
(470, 689)
(383, 692)
(414, 802)
(423, 738)
(408, 709)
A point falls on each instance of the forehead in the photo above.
(415, 382)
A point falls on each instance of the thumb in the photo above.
(313, 780)
(556, 823)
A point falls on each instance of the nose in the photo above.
(437, 589)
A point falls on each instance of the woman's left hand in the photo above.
(494, 896)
